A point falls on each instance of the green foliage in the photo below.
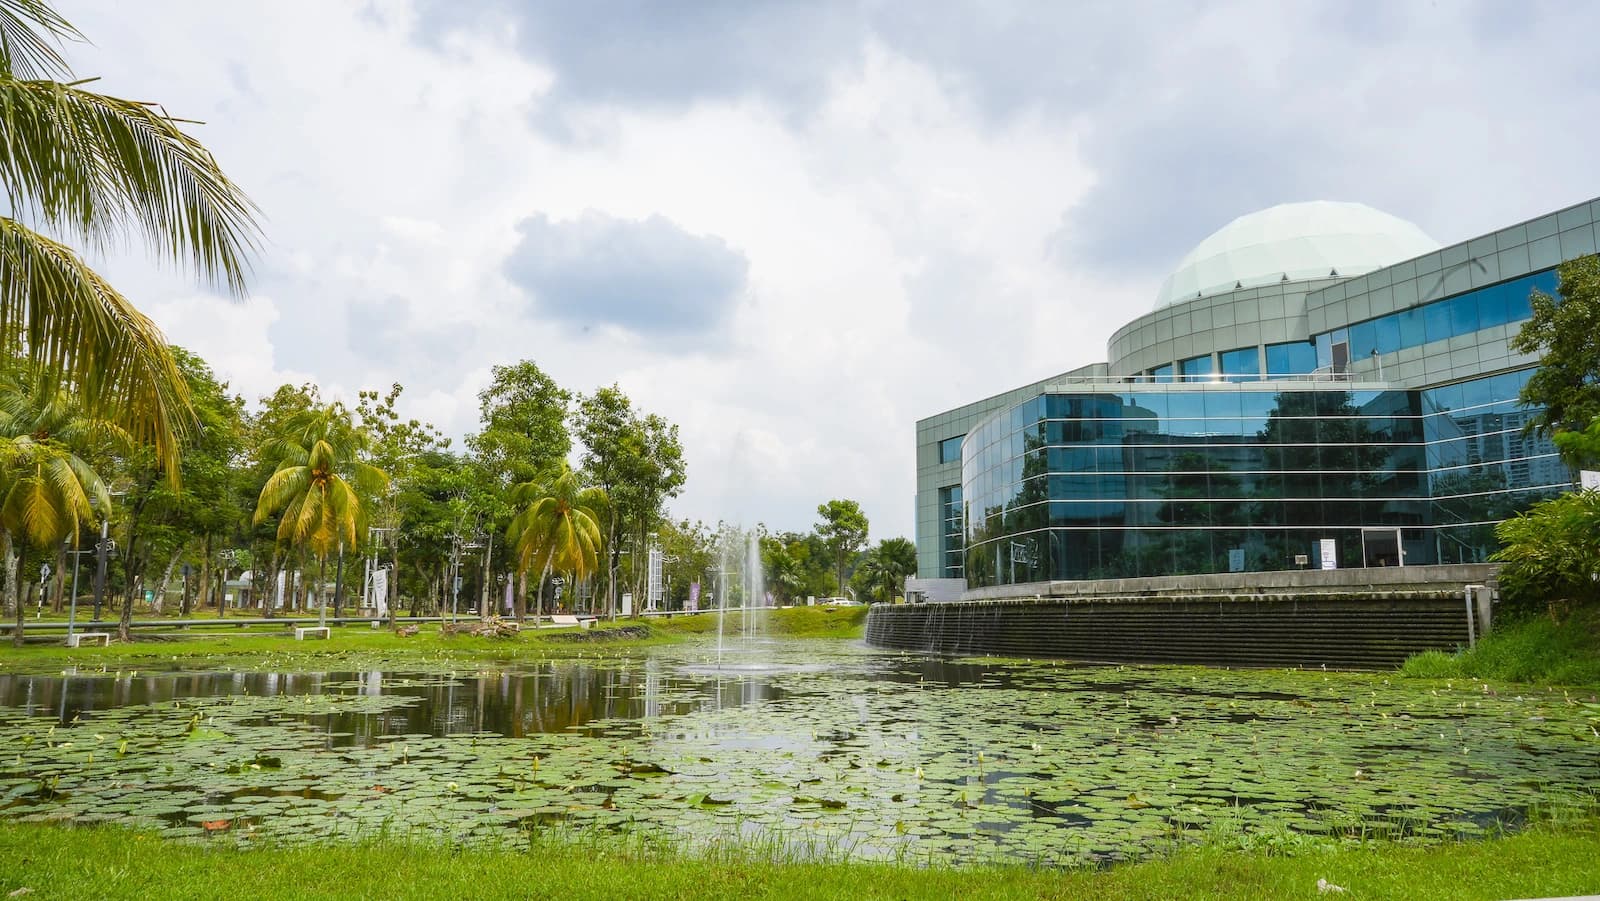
(95, 168)
(524, 417)
(883, 570)
(1538, 649)
(557, 526)
(844, 530)
(320, 480)
(1552, 552)
(1565, 334)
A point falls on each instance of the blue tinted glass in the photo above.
(1186, 405)
(1436, 322)
(1162, 373)
(1242, 364)
(1324, 350)
(1463, 314)
(1492, 305)
(1410, 327)
(1363, 340)
(1195, 366)
(1150, 402)
(1293, 358)
(1387, 338)
(1224, 405)
(950, 449)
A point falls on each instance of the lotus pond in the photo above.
(826, 747)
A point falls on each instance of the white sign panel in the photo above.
(1589, 479)
(1330, 553)
(380, 591)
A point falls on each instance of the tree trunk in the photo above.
(488, 583)
(322, 607)
(61, 579)
(12, 564)
(538, 600)
(166, 577)
(269, 600)
(522, 597)
(205, 573)
(125, 622)
(338, 582)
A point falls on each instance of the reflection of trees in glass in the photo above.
(1195, 480)
(1327, 451)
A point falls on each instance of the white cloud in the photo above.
(932, 207)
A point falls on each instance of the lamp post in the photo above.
(102, 548)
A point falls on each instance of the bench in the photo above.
(79, 639)
(301, 633)
(561, 620)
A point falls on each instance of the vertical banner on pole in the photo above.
(380, 592)
(693, 605)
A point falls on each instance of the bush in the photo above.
(1552, 554)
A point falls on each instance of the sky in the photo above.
(794, 229)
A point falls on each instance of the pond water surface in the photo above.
(825, 745)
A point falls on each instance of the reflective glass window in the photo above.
(1162, 373)
(950, 449)
(1291, 358)
(1363, 339)
(1195, 367)
(1243, 364)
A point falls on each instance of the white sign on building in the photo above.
(1330, 553)
(1589, 480)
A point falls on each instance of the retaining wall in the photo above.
(1374, 629)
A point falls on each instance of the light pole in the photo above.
(102, 548)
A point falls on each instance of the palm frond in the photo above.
(29, 31)
(95, 166)
(75, 328)
(284, 485)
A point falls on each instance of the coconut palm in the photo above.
(48, 493)
(556, 529)
(92, 167)
(319, 484)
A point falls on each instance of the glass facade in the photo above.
(1463, 314)
(1291, 358)
(1162, 373)
(1142, 480)
(1240, 365)
(950, 449)
(951, 542)
(1194, 367)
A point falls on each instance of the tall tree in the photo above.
(319, 485)
(638, 462)
(556, 529)
(399, 448)
(1564, 333)
(844, 529)
(94, 167)
(48, 493)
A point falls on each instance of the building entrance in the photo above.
(1381, 547)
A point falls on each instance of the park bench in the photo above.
(563, 620)
(79, 639)
(301, 633)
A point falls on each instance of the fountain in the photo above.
(741, 585)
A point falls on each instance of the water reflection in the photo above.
(547, 697)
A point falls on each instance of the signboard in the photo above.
(380, 591)
(1236, 559)
(1330, 553)
(1589, 480)
(627, 603)
(693, 604)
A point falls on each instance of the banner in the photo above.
(693, 605)
(380, 592)
(277, 600)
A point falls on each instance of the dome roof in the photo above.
(1298, 240)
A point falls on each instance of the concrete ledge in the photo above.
(1439, 579)
(301, 633)
(79, 639)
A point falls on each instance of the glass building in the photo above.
(1318, 381)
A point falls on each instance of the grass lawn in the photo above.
(1537, 649)
(273, 646)
(55, 862)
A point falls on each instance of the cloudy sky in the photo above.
(796, 228)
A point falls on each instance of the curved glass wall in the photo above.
(1152, 480)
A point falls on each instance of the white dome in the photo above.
(1298, 240)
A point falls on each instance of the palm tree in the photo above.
(556, 529)
(318, 484)
(48, 493)
(92, 167)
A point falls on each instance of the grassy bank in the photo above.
(364, 646)
(54, 862)
(1536, 649)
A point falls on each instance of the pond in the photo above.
(826, 747)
